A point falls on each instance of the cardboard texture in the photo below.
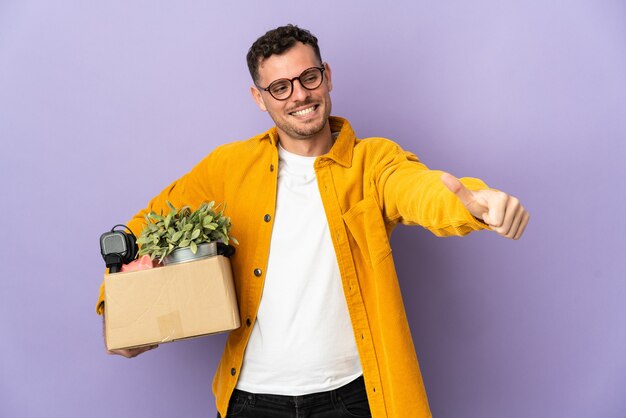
(170, 303)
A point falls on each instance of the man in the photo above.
(325, 333)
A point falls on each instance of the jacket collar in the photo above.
(341, 151)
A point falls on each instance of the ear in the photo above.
(329, 76)
(258, 98)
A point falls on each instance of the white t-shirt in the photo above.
(302, 341)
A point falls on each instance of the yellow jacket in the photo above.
(367, 186)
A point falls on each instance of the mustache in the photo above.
(308, 101)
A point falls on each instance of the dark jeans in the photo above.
(347, 401)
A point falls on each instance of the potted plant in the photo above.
(184, 235)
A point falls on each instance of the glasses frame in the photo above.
(291, 80)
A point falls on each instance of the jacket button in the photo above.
(267, 218)
(271, 167)
(257, 272)
(233, 371)
(248, 322)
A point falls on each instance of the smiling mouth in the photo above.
(304, 112)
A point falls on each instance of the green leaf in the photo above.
(194, 247)
(195, 234)
(143, 239)
(184, 243)
(177, 236)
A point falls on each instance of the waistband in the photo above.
(356, 385)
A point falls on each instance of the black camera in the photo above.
(118, 247)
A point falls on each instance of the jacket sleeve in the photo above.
(411, 193)
(195, 187)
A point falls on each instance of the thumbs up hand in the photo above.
(502, 212)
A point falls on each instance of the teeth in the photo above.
(304, 111)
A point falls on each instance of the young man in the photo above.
(325, 333)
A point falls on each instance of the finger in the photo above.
(455, 186)
(522, 227)
(134, 352)
(515, 224)
(512, 213)
(496, 216)
(121, 352)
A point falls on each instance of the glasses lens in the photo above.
(311, 78)
(280, 89)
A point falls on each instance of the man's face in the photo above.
(305, 113)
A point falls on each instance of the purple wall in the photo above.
(529, 96)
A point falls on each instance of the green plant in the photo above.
(183, 228)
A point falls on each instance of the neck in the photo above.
(313, 146)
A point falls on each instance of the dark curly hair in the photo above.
(277, 41)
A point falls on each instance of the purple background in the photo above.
(102, 104)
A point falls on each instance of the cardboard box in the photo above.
(170, 303)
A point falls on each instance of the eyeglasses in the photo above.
(310, 79)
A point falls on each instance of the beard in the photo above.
(304, 129)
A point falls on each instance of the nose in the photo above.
(299, 93)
